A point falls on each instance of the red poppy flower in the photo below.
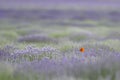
(82, 50)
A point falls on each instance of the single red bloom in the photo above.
(82, 50)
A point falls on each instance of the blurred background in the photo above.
(87, 19)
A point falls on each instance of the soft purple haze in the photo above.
(60, 3)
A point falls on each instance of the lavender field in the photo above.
(41, 40)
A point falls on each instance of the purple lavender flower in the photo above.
(31, 53)
(4, 55)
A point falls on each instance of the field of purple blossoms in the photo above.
(44, 44)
